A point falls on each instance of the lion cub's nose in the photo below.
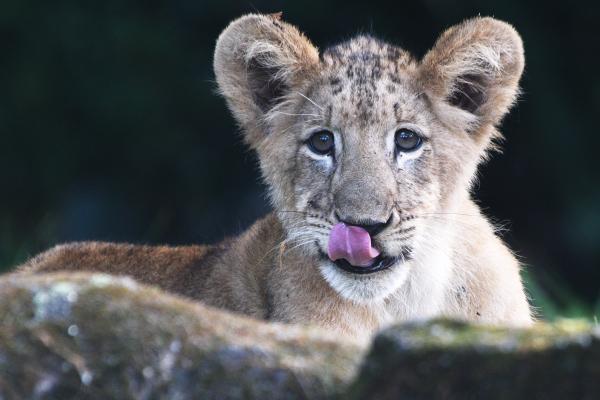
(371, 226)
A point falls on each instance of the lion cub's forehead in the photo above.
(367, 81)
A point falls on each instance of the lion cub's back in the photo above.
(177, 269)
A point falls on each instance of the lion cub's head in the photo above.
(367, 139)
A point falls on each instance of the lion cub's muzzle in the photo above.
(351, 249)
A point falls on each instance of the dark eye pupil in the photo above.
(321, 142)
(407, 140)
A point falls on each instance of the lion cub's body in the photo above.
(445, 257)
(249, 275)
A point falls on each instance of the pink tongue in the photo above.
(351, 243)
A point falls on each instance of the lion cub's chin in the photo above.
(365, 289)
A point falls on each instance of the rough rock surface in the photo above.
(91, 336)
(65, 336)
(451, 360)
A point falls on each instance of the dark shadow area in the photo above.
(111, 128)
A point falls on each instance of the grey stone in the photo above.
(75, 336)
(90, 336)
(453, 360)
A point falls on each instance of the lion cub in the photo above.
(369, 155)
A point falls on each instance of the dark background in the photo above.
(110, 128)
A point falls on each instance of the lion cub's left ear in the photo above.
(475, 67)
(259, 59)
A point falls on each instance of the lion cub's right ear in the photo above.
(259, 59)
(475, 67)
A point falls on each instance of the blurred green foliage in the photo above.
(111, 129)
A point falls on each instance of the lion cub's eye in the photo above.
(407, 140)
(321, 142)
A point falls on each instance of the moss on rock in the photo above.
(453, 360)
(75, 336)
(95, 336)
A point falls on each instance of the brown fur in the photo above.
(281, 91)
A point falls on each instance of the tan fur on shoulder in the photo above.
(443, 255)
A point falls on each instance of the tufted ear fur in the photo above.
(258, 60)
(475, 67)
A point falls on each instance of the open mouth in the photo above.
(350, 248)
(379, 264)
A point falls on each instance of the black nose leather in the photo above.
(373, 227)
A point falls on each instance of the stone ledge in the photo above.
(80, 336)
(453, 360)
(70, 336)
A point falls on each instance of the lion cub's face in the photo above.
(366, 135)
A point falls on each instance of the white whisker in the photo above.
(311, 100)
(298, 115)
